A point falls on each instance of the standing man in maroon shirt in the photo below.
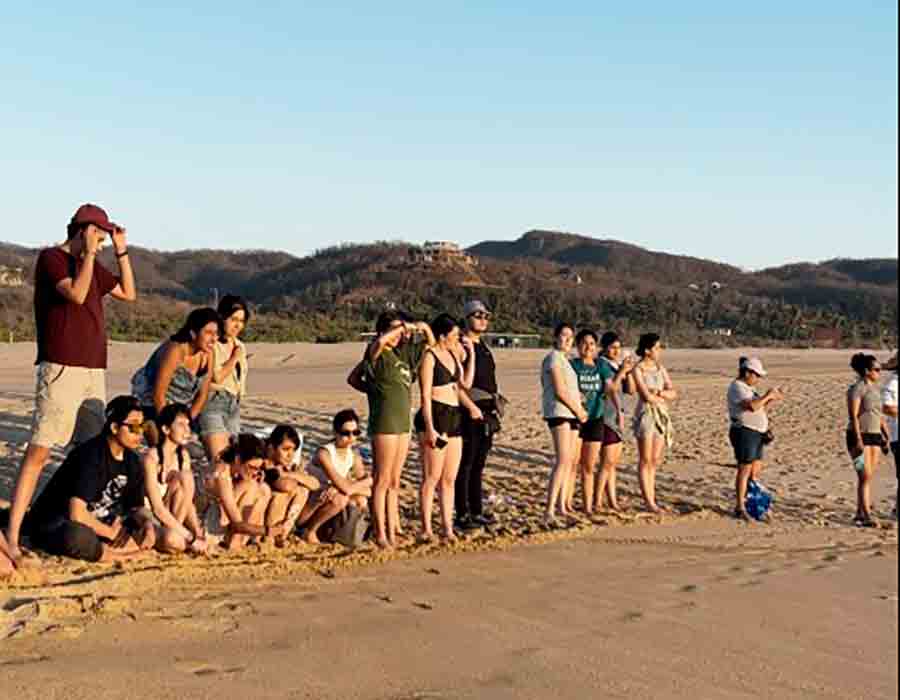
(69, 286)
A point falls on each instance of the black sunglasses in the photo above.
(481, 316)
(350, 433)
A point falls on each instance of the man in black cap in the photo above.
(480, 379)
(69, 287)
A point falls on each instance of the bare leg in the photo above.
(873, 456)
(170, 542)
(177, 499)
(606, 487)
(590, 455)
(6, 564)
(563, 445)
(742, 480)
(647, 471)
(432, 467)
(452, 459)
(572, 477)
(252, 500)
(394, 527)
(33, 464)
(385, 452)
(215, 444)
(323, 515)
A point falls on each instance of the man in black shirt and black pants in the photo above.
(480, 379)
(92, 508)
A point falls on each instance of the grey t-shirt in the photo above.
(738, 393)
(550, 403)
(870, 409)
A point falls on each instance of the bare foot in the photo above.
(450, 538)
(311, 538)
(426, 538)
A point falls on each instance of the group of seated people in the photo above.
(107, 501)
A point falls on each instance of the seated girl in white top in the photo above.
(339, 468)
(169, 483)
(291, 485)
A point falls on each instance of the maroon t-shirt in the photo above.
(67, 333)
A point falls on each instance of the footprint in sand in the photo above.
(204, 668)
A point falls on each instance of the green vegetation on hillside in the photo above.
(532, 283)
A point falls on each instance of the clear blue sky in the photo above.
(753, 133)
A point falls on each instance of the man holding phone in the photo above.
(69, 287)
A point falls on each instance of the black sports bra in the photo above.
(442, 376)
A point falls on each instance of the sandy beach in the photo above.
(693, 604)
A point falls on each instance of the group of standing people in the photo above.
(107, 501)
(460, 412)
(583, 406)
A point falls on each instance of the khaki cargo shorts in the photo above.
(69, 405)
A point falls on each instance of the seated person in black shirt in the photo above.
(92, 508)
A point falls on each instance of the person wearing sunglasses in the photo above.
(480, 380)
(339, 468)
(867, 434)
(92, 507)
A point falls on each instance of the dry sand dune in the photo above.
(692, 604)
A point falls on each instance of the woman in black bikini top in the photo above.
(442, 376)
(439, 424)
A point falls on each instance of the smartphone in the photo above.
(440, 443)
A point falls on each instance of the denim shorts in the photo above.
(222, 414)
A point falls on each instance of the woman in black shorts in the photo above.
(564, 414)
(439, 423)
(867, 433)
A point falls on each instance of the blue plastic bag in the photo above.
(759, 501)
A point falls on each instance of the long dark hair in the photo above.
(862, 363)
(646, 343)
(196, 321)
(165, 419)
(228, 305)
(443, 325)
(244, 447)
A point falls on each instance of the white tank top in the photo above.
(342, 465)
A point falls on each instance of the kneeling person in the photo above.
(92, 508)
(342, 475)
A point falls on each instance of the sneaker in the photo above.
(466, 524)
(485, 520)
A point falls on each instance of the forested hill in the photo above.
(531, 282)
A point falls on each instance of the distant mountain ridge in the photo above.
(532, 281)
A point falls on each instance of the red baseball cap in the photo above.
(92, 214)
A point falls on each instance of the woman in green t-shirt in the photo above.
(386, 375)
(590, 435)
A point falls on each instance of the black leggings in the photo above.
(70, 539)
(477, 443)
